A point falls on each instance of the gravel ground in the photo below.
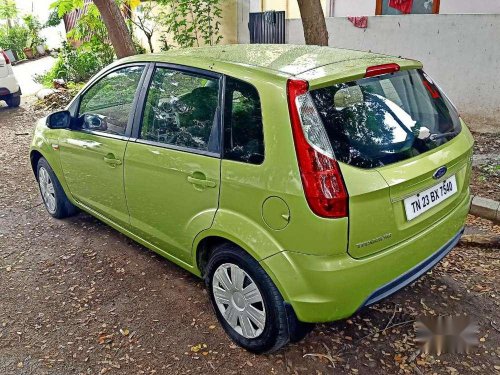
(77, 297)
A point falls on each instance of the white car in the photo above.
(10, 91)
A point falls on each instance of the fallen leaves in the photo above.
(103, 338)
(124, 332)
(196, 348)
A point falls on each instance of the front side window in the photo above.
(243, 132)
(107, 105)
(181, 110)
(378, 121)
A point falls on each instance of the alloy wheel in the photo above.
(47, 190)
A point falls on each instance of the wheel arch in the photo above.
(36, 153)
(209, 240)
(35, 156)
(233, 228)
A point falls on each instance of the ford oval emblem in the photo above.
(440, 172)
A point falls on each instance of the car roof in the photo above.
(310, 62)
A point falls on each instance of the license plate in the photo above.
(417, 204)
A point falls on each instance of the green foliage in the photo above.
(94, 51)
(65, 6)
(8, 11)
(54, 19)
(138, 46)
(146, 19)
(74, 65)
(193, 22)
(91, 31)
(14, 38)
(34, 27)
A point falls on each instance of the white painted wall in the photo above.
(469, 6)
(345, 8)
(40, 8)
(461, 52)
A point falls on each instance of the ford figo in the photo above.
(301, 183)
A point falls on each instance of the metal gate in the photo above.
(267, 27)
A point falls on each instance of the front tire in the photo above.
(55, 200)
(247, 303)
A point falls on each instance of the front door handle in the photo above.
(111, 160)
(201, 182)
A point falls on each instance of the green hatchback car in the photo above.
(302, 183)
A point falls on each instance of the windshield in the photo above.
(377, 121)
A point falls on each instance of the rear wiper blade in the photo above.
(435, 137)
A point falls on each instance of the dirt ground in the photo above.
(486, 166)
(77, 297)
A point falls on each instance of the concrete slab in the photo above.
(485, 208)
(25, 73)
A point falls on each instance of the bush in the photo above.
(75, 65)
(34, 27)
(15, 39)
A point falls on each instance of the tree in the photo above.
(8, 11)
(92, 33)
(313, 22)
(117, 28)
(146, 20)
(34, 27)
(193, 23)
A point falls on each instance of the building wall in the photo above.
(54, 35)
(345, 8)
(228, 28)
(456, 50)
(291, 7)
(470, 7)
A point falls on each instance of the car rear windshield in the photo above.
(381, 120)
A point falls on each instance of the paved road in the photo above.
(25, 73)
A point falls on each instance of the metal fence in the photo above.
(267, 27)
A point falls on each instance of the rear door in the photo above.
(172, 168)
(92, 154)
(398, 139)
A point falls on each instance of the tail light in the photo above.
(322, 180)
(7, 60)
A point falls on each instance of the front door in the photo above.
(92, 155)
(172, 169)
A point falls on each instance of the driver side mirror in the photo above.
(59, 120)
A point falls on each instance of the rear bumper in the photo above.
(328, 288)
(413, 274)
(9, 86)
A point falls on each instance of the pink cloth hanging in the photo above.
(404, 6)
(361, 22)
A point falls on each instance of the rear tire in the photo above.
(247, 303)
(13, 101)
(55, 200)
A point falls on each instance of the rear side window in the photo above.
(181, 110)
(377, 121)
(243, 132)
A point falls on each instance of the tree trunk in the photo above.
(117, 29)
(313, 22)
(150, 42)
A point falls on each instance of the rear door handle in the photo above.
(201, 182)
(112, 161)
